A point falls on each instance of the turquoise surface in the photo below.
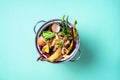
(98, 26)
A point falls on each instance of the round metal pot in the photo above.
(44, 26)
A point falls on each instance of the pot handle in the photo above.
(79, 55)
(37, 24)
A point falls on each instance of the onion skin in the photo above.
(55, 28)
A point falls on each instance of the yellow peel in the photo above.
(65, 56)
(74, 29)
(70, 47)
(55, 55)
(46, 48)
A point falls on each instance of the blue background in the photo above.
(98, 26)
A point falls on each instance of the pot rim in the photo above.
(43, 26)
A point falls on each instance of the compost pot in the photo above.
(45, 24)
